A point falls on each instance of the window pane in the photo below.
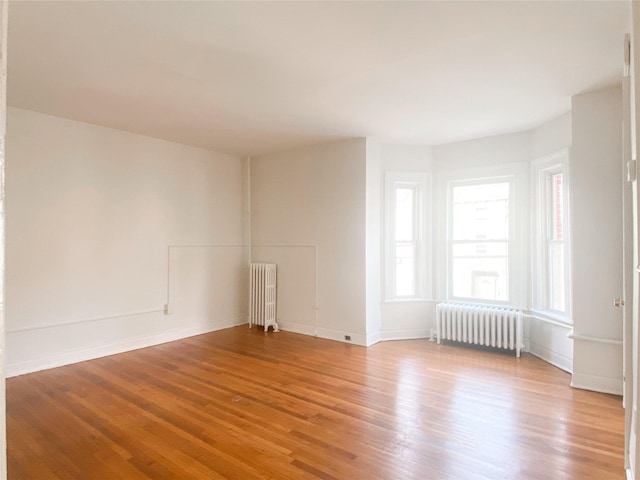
(481, 212)
(556, 276)
(480, 247)
(494, 249)
(405, 201)
(484, 278)
(405, 270)
(556, 217)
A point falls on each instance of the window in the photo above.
(555, 241)
(406, 248)
(551, 282)
(406, 240)
(479, 235)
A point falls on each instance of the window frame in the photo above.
(421, 183)
(542, 171)
(512, 240)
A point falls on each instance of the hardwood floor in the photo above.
(242, 404)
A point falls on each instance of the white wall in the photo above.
(374, 235)
(483, 152)
(551, 136)
(596, 226)
(91, 215)
(549, 340)
(407, 318)
(308, 210)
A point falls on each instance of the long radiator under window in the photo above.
(262, 295)
(498, 327)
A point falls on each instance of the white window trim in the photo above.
(541, 168)
(422, 183)
(513, 243)
(519, 256)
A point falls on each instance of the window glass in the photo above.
(555, 274)
(480, 241)
(405, 212)
(406, 241)
(405, 270)
(407, 255)
(556, 206)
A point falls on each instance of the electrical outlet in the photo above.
(347, 337)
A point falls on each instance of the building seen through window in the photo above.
(479, 241)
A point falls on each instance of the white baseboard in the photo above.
(629, 474)
(373, 338)
(339, 336)
(128, 344)
(294, 327)
(404, 334)
(327, 333)
(554, 358)
(596, 383)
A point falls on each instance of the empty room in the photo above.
(319, 240)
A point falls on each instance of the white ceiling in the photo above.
(249, 78)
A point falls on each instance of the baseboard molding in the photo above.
(549, 356)
(373, 338)
(326, 333)
(294, 327)
(339, 336)
(126, 345)
(629, 474)
(597, 383)
(404, 334)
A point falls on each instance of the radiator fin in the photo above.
(486, 325)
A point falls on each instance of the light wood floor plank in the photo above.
(242, 404)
